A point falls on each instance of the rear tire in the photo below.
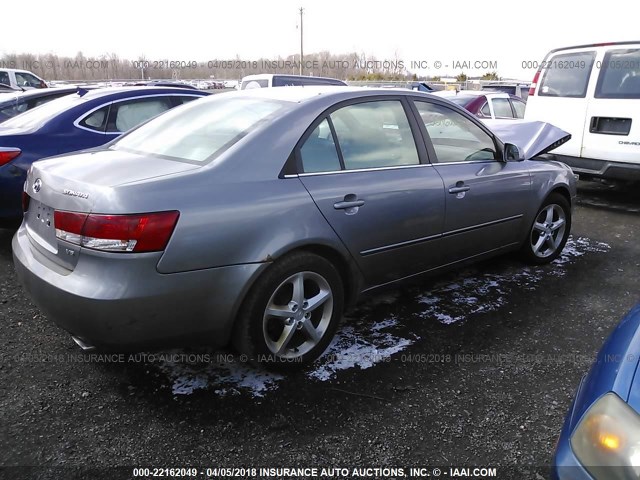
(291, 313)
(549, 231)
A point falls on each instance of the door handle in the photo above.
(348, 204)
(459, 189)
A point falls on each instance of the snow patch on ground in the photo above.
(362, 342)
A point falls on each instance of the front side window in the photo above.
(27, 80)
(502, 108)
(455, 138)
(619, 75)
(199, 131)
(567, 75)
(375, 134)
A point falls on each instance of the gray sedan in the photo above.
(256, 217)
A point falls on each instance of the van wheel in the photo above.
(291, 313)
(549, 232)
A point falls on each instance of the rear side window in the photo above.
(375, 134)
(567, 75)
(319, 153)
(4, 78)
(619, 75)
(96, 120)
(519, 107)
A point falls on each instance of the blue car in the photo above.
(600, 439)
(78, 121)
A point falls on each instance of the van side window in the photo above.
(620, 75)
(567, 75)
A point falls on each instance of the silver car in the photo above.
(255, 217)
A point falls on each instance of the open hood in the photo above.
(532, 138)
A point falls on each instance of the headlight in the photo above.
(607, 440)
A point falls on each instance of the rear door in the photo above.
(486, 198)
(560, 97)
(612, 123)
(368, 176)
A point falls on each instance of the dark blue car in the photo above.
(79, 121)
(600, 439)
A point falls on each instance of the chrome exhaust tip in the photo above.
(86, 347)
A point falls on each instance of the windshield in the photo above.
(36, 117)
(201, 130)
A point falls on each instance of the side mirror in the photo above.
(512, 153)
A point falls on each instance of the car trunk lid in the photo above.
(77, 183)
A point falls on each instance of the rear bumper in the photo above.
(123, 302)
(589, 167)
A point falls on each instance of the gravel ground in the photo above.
(476, 368)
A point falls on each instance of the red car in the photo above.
(485, 104)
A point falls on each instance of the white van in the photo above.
(21, 79)
(592, 92)
(277, 80)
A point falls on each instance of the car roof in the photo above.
(103, 92)
(260, 76)
(594, 45)
(298, 94)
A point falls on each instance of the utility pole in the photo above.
(301, 49)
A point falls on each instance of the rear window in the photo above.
(199, 131)
(619, 75)
(38, 116)
(567, 75)
(462, 100)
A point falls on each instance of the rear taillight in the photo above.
(532, 87)
(146, 232)
(6, 155)
(25, 201)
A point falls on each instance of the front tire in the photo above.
(291, 313)
(549, 231)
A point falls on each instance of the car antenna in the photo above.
(82, 91)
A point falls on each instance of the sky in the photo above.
(461, 35)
